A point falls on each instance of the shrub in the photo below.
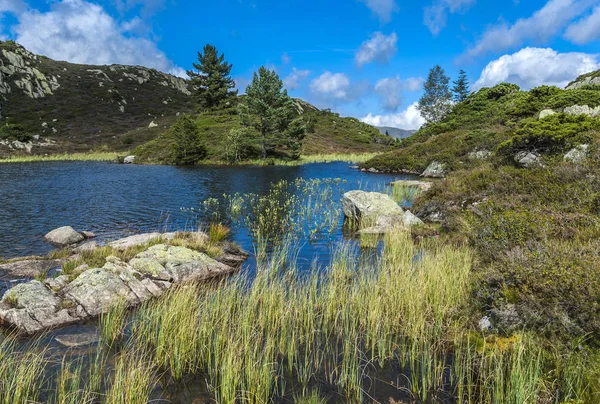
(569, 98)
(554, 134)
(11, 131)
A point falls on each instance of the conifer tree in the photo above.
(461, 88)
(271, 111)
(210, 79)
(436, 102)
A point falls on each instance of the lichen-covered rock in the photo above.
(36, 306)
(582, 110)
(369, 206)
(435, 170)
(528, 159)
(64, 236)
(577, 154)
(410, 219)
(97, 289)
(587, 81)
(139, 239)
(479, 155)
(32, 307)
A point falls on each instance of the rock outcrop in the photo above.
(528, 159)
(435, 170)
(35, 306)
(29, 268)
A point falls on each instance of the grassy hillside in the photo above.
(67, 107)
(536, 229)
(327, 133)
(488, 119)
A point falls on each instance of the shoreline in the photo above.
(116, 157)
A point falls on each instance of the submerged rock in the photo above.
(64, 236)
(77, 340)
(30, 268)
(435, 170)
(35, 306)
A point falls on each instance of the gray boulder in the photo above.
(435, 170)
(582, 110)
(86, 247)
(31, 307)
(371, 208)
(577, 154)
(64, 236)
(479, 155)
(129, 160)
(528, 159)
(588, 81)
(139, 239)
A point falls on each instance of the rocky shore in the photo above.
(58, 297)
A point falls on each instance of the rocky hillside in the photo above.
(49, 106)
(395, 132)
(506, 123)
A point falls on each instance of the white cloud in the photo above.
(379, 48)
(390, 92)
(540, 27)
(435, 16)
(532, 67)
(331, 86)
(414, 84)
(12, 6)
(81, 32)
(408, 119)
(292, 81)
(383, 9)
(585, 30)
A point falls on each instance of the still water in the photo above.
(114, 200)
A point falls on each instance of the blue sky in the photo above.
(363, 58)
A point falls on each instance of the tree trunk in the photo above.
(262, 134)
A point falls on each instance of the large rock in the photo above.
(139, 239)
(64, 236)
(30, 268)
(577, 154)
(528, 159)
(587, 81)
(129, 160)
(34, 306)
(582, 110)
(435, 170)
(370, 207)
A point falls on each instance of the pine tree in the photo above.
(436, 102)
(271, 111)
(188, 147)
(461, 87)
(210, 79)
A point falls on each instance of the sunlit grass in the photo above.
(91, 156)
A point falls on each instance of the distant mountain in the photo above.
(395, 132)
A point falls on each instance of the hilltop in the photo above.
(49, 106)
(395, 132)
